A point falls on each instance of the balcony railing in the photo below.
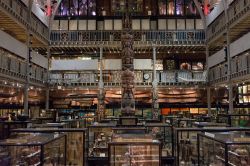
(114, 77)
(188, 37)
(16, 67)
(19, 11)
(240, 66)
(236, 10)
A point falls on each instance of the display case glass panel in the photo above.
(98, 137)
(163, 133)
(128, 149)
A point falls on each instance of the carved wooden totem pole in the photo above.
(127, 77)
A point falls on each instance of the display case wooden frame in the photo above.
(138, 151)
(72, 134)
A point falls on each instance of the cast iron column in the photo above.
(227, 54)
(28, 60)
(47, 82)
(101, 94)
(155, 104)
(208, 86)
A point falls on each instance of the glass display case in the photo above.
(164, 133)
(186, 151)
(225, 148)
(42, 120)
(75, 147)
(98, 137)
(33, 149)
(171, 119)
(134, 149)
(7, 126)
(235, 120)
(88, 120)
(185, 122)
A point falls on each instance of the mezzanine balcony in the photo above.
(113, 78)
(15, 69)
(113, 38)
(16, 13)
(238, 14)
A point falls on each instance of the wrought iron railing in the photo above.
(196, 36)
(240, 66)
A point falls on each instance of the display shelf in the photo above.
(75, 146)
(224, 148)
(33, 149)
(186, 140)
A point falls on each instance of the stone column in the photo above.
(101, 93)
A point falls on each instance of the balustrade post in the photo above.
(155, 104)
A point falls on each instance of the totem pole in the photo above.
(127, 77)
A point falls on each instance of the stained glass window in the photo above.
(179, 7)
(83, 8)
(74, 7)
(64, 8)
(92, 7)
(162, 4)
(170, 7)
(190, 8)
